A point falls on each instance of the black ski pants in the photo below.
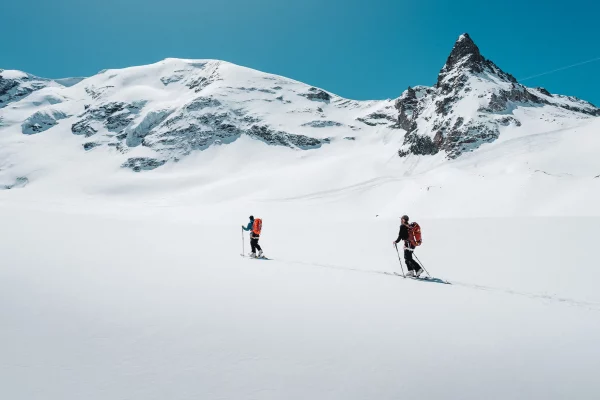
(254, 243)
(411, 264)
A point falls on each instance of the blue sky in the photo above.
(359, 49)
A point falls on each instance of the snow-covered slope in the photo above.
(153, 302)
(16, 85)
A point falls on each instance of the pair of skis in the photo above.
(255, 258)
(244, 250)
(427, 278)
(423, 279)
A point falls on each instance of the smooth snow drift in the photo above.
(125, 307)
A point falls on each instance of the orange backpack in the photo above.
(257, 226)
(414, 234)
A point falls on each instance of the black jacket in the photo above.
(403, 234)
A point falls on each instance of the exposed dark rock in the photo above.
(13, 90)
(117, 146)
(90, 145)
(499, 101)
(83, 128)
(418, 145)
(404, 119)
(186, 134)
(20, 182)
(509, 120)
(544, 91)
(166, 80)
(41, 121)
(153, 119)
(468, 139)
(375, 119)
(406, 106)
(442, 105)
(272, 137)
(321, 124)
(95, 92)
(380, 116)
(316, 95)
(139, 164)
(364, 121)
(200, 83)
(253, 89)
(458, 123)
(115, 116)
(200, 103)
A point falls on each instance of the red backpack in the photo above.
(257, 226)
(414, 234)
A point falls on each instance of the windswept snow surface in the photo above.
(128, 285)
(131, 307)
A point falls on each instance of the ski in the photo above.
(430, 279)
(256, 258)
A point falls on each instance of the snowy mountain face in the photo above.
(15, 85)
(207, 121)
(175, 107)
(165, 111)
(471, 104)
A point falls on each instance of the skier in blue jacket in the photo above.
(253, 239)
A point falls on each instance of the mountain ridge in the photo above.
(470, 104)
(162, 112)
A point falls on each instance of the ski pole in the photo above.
(422, 266)
(401, 268)
(243, 248)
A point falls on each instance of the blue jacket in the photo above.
(249, 227)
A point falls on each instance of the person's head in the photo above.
(404, 219)
(251, 218)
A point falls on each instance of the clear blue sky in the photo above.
(362, 49)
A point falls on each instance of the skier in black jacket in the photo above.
(414, 269)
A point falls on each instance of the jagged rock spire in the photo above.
(465, 55)
(464, 50)
(464, 58)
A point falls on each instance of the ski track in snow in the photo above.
(342, 191)
(536, 296)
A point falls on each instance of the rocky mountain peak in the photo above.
(465, 58)
(464, 52)
(472, 101)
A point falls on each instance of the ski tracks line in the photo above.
(535, 296)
